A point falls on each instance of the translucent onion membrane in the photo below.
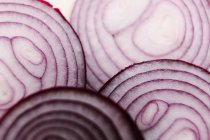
(67, 114)
(38, 50)
(118, 33)
(167, 99)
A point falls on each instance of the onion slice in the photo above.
(69, 114)
(118, 33)
(38, 50)
(168, 99)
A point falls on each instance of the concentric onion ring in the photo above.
(118, 33)
(168, 99)
(38, 50)
(67, 114)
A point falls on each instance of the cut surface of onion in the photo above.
(118, 33)
(38, 50)
(67, 114)
(167, 99)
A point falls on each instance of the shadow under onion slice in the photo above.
(67, 114)
(168, 99)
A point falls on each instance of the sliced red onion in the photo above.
(39, 50)
(117, 33)
(168, 99)
(70, 114)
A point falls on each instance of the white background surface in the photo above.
(65, 6)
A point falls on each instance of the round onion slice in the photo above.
(168, 99)
(118, 33)
(38, 50)
(69, 114)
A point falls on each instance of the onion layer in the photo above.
(168, 99)
(67, 114)
(38, 49)
(118, 33)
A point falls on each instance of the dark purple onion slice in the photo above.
(39, 50)
(69, 114)
(118, 33)
(168, 99)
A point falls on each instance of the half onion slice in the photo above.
(168, 99)
(67, 114)
(38, 50)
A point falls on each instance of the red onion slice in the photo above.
(39, 50)
(162, 96)
(116, 33)
(70, 114)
